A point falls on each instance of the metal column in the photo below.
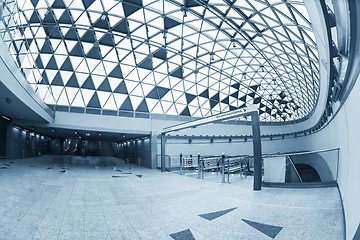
(257, 150)
(163, 139)
(223, 168)
(199, 166)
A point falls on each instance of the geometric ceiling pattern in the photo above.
(175, 57)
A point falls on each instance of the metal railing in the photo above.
(222, 165)
(304, 168)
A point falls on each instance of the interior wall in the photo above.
(56, 147)
(139, 152)
(22, 144)
(3, 124)
(101, 149)
(342, 132)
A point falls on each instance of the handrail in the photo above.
(300, 153)
(296, 171)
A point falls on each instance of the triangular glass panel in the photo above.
(66, 18)
(146, 63)
(105, 86)
(49, 18)
(185, 112)
(142, 107)
(160, 53)
(130, 8)
(52, 64)
(225, 100)
(55, 33)
(57, 81)
(252, 94)
(38, 62)
(45, 79)
(94, 101)
(127, 105)
(122, 27)
(58, 4)
(116, 72)
(94, 53)
(157, 92)
(189, 98)
(46, 48)
(102, 23)
(34, 18)
(216, 97)
(88, 84)
(192, 3)
(178, 72)
(213, 104)
(235, 94)
(170, 23)
(67, 66)
(89, 37)
(255, 87)
(107, 40)
(71, 34)
(243, 98)
(72, 81)
(77, 50)
(257, 100)
(205, 94)
(87, 3)
(121, 88)
(134, 2)
(34, 2)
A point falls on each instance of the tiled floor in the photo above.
(52, 197)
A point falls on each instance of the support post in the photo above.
(257, 150)
(223, 168)
(199, 167)
(181, 163)
(163, 139)
(228, 171)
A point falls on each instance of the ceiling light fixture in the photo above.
(6, 118)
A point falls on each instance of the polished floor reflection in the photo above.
(55, 197)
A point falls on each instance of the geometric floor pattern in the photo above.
(93, 201)
(213, 215)
(183, 235)
(269, 230)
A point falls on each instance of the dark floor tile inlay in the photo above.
(139, 176)
(63, 171)
(183, 235)
(33, 166)
(117, 176)
(8, 165)
(50, 168)
(269, 230)
(3, 168)
(213, 215)
(119, 170)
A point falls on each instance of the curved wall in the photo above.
(342, 132)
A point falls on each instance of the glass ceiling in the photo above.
(175, 57)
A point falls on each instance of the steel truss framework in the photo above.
(192, 58)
